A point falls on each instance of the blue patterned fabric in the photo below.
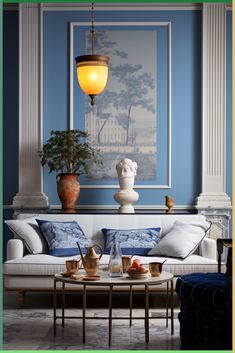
(132, 241)
(62, 237)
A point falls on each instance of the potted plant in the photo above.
(68, 153)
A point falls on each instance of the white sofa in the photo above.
(24, 271)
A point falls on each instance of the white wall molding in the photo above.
(116, 7)
(121, 6)
(213, 108)
(30, 192)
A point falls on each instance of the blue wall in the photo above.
(186, 101)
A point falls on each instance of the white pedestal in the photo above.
(126, 198)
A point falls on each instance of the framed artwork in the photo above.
(132, 117)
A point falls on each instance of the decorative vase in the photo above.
(126, 196)
(68, 189)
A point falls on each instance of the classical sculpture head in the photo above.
(126, 196)
(126, 167)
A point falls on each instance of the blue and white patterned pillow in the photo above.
(132, 241)
(62, 237)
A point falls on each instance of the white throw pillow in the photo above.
(182, 240)
(208, 248)
(28, 231)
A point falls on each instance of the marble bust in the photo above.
(126, 196)
(126, 167)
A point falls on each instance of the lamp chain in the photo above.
(92, 28)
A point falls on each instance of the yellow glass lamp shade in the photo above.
(92, 73)
(92, 78)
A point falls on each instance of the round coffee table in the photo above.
(110, 283)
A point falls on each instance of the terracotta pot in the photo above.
(68, 189)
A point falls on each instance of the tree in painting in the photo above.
(135, 86)
(131, 87)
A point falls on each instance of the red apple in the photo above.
(141, 269)
(136, 263)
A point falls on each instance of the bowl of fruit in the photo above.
(136, 270)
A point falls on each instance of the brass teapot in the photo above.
(91, 260)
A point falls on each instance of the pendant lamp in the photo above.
(92, 69)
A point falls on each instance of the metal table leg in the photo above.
(131, 303)
(172, 309)
(146, 314)
(63, 302)
(167, 302)
(110, 313)
(55, 304)
(84, 314)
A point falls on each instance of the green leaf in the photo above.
(69, 152)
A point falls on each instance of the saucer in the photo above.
(67, 273)
(77, 277)
(91, 278)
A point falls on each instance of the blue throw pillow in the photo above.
(132, 241)
(62, 237)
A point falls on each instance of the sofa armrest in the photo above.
(15, 249)
(208, 248)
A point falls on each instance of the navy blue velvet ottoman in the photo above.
(206, 311)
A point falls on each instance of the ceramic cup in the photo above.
(126, 263)
(72, 265)
(155, 268)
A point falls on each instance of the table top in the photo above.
(105, 280)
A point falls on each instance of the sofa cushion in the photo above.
(62, 237)
(132, 241)
(208, 248)
(47, 265)
(28, 231)
(168, 220)
(93, 223)
(182, 240)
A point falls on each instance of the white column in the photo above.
(30, 172)
(214, 108)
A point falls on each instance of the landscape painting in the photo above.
(123, 121)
